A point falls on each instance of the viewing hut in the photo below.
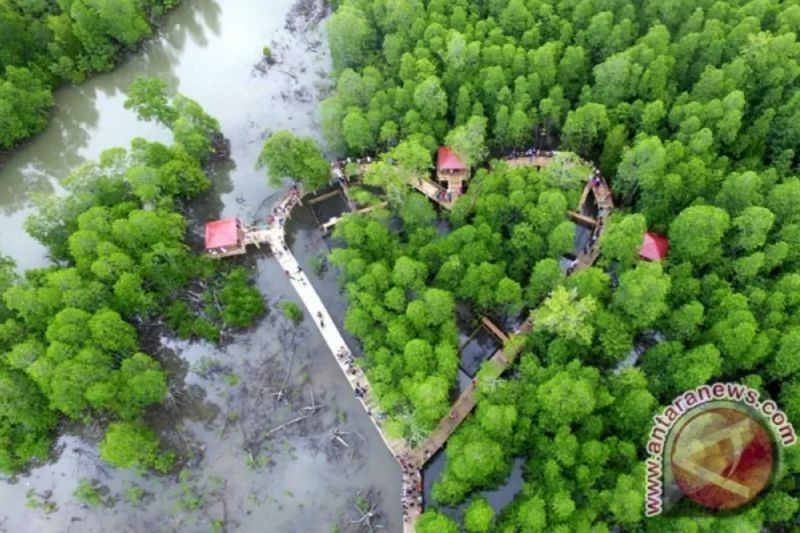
(654, 247)
(451, 172)
(225, 237)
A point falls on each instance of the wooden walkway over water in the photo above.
(327, 328)
(416, 457)
(327, 226)
(462, 407)
(605, 205)
(435, 192)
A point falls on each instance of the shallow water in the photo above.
(223, 401)
(497, 498)
(207, 51)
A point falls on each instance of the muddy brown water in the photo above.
(223, 406)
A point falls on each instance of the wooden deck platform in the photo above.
(328, 226)
(605, 204)
(433, 191)
(583, 220)
(323, 197)
(538, 161)
(253, 236)
(496, 331)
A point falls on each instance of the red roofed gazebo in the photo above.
(654, 247)
(225, 237)
(451, 170)
(446, 159)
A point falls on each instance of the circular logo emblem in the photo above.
(722, 458)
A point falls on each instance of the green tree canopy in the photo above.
(133, 445)
(565, 315)
(285, 155)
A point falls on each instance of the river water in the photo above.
(224, 405)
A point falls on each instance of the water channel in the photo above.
(222, 402)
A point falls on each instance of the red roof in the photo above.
(222, 233)
(446, 159)
(654, 246)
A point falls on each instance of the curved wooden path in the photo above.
(413, 459)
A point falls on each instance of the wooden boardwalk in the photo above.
(414, 459)
(503, 358)
(275, 237)
(327, 226)
(537, 161)
(605, 205)
(330, 333)
(462, 407)
(496, 331)
(434, 191)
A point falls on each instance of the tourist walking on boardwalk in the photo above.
(321, 322)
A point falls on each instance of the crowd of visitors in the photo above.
(412, 487)
(601, 191)
(283, 208)
(339, 168)
(444, 196)
(530, 153)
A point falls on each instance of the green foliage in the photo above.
(691, 111)
(285, 155)
(133, 445)
(27, 100)
(134, 494)
(88, 493)
(27, 424)
(642, 294)
(565, 315)
(40, 501)
(70, 347)
(43, 46)
(292, 311)
(433, 522)
(241, 303)
(478, 516)
(350, 36)
(585, 127)
(318, 263)
(194, 130)
(622, 238)
(696, 234)
(469, 140)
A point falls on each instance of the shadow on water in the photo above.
(476, 343)
(466, 323)
(481, 347)
(582, 237)
(209, 205)
(326, 209)
(497, 498)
